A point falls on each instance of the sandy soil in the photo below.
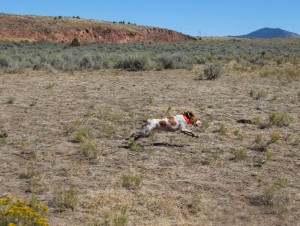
(184, 180)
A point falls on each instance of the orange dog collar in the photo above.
(186, 119)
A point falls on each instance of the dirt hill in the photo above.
(62, 29)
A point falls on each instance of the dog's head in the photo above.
(194, 120)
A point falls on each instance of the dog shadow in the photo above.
(155, 144)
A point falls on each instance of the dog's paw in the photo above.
(197, 136)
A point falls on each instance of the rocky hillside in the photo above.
(271, 33)
(61, 29)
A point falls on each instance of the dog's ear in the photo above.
(188, 115)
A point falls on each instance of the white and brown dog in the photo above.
(177, 122)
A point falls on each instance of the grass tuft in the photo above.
(131, 181)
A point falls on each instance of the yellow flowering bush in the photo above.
(13, 213)
(275, 137)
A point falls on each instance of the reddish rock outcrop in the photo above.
(52, 29)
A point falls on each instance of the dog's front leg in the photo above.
(189, 132)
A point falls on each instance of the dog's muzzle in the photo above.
(198, 123)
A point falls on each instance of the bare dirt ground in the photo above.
(221, 178)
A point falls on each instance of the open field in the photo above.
(66, 144)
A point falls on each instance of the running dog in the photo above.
(177, 122)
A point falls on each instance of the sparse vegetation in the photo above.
(273, 195)
(69, 128)
(143, 56)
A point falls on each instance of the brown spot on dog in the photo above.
(194, 119)
(172, 121)
(162, 123)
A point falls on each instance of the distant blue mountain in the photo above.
(270, 33)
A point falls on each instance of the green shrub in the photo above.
(86, 62)
(75, 42)
(136, 62)
(212, 71)
(4, 62)
(133, 146)
(172, 61)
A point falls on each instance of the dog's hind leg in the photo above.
(144, 131)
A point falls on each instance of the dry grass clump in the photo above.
(3, 137)
(273, 196)
(195, 205)
(258, 94)
(89, 149)
(240, 136)
(238, 154)
(131, 181)
(133, 145)
(10, 100)
(82, 135)
(261, 144)
(65, 198)
(222, 130)
(116, 219)
(280, 119)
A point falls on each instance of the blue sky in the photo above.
(193, 17)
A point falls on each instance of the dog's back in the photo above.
(173, 123)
